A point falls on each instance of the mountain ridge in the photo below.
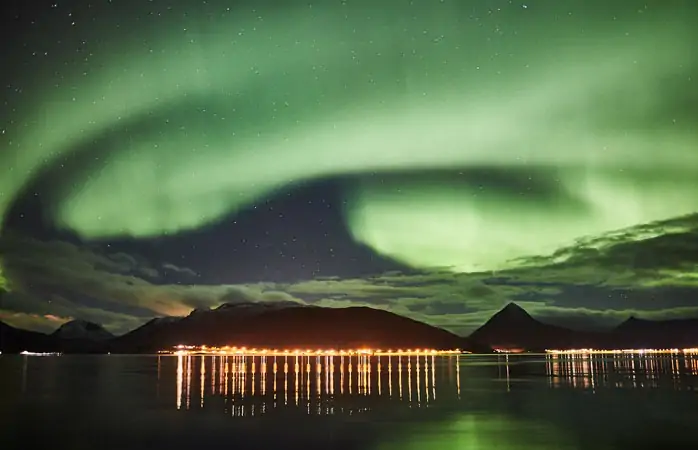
(291, 327)
(82, 329)
(290, 324)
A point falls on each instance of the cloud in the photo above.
(180, 270)
(119, 290)
(44, 323)
(648, 271)
(256, 293)
(126, 264)
(68, 280)
(657, 254)
(643, 271)
(582, 318)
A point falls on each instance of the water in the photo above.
(466, 402)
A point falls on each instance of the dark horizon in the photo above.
(590, 326)
(511, 329)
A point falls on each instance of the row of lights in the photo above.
(28, 353)
(627, 351)
(182, 349)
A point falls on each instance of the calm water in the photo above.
(466, 402)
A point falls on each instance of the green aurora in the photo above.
(580, 108)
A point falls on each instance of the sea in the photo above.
(469, 402)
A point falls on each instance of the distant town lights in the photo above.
(588, 351)
(227, 350)
(28, 353)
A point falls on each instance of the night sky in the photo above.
(437, 158)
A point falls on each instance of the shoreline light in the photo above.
(228, 350)
(639, 351)
(28, 353)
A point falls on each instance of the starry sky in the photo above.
(436, 158)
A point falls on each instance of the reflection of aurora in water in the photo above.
(483, 432)
(322, 385)
(573, 372)
(592, 402)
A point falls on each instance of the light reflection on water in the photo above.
(623, 370)
(574, 402)
(320, 385)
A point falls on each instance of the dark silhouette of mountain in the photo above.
(288, 326)
(642, 333)
(148, 332)
(512, 328)
(82, 329)
(15, 340)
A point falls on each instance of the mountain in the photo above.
(15, 340)
(148, 337)
(288, 325)
(82, 329)
(512, 328)
(642, 333)
(160, 332)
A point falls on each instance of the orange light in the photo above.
(204, 349)
(623, 351)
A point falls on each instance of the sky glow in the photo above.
(419, 105)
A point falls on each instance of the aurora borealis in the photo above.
(462, 138)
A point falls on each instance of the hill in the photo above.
(82, 329)
(642, 333)
(288, 326)
(15, 340)
(512, 329)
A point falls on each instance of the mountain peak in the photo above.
(513, 329)
(632, 322)
(513, 311)
(82, 329)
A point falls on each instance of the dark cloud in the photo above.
(187, 272)
(654, 254)
(648, 271)
(67, 280)
(127, 265)
(603, 297)
(57, 279)
(239, 294)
